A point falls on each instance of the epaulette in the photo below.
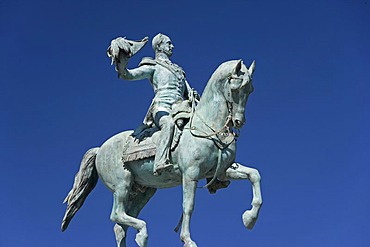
(147, 61)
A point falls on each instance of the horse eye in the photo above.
(237, 80)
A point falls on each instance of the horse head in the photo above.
(237, 88)
(223, 102)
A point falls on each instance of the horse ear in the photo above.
(236, 84)
(252, 68)
(250, 72)
(238, 67)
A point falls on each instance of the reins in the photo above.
(228, 119)
(214, 132)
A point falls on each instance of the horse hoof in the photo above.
(142, 239)
(249, 219)
(190, 244)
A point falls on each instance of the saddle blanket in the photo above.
(135, 150)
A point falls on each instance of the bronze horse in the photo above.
(206, 150)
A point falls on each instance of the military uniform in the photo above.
(173, 89)
(168, 81)
(170, 87)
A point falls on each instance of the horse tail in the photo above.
(85, 181)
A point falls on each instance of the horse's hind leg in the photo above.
(238, 172)
(120, 210)
(120, 233)
(137, 203)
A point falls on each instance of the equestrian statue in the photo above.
(184, 138)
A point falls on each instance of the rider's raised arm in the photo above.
(120, 51)
(142, 72)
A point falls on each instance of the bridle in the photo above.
(228, 127)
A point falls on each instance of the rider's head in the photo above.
(162, 44)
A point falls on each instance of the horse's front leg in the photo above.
(188, 186)
(238, 172)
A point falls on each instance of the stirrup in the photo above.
(166, 167)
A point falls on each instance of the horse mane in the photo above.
(215, 81)
(222, 70)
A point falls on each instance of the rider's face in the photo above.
(166, 46)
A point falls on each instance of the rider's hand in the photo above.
(196, 94)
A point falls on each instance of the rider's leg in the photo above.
(164, 121)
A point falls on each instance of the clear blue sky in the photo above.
(307, 125)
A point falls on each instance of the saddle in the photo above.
(141, 144)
